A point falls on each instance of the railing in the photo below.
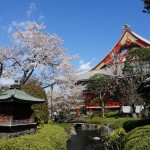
(16, 122)
(97, 105)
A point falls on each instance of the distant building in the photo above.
(128, 41)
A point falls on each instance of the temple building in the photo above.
(128, 41)
(15, 107)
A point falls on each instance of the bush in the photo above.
(112, 114)
(96, 114)
(50, 137)
(119, 123)
(131, 124)
(41, 110)
(95, 120)
(116, 140)
(138, 139)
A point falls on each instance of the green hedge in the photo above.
(50, 137)
(138, 139)
(131, 124)
(41, 110)
(115, 123)
(119, 123)
(95, 120)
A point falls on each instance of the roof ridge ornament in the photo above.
(126, 26)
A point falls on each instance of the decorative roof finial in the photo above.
(126, 26)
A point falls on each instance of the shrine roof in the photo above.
(19, 96)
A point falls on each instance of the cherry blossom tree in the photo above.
(5, 68)
(67, 95)
(39, 54)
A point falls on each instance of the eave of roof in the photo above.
(107, 71)
(141, 38)
(18, 95)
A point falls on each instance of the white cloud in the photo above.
(31, 8)
(81, 61)
(41, 16)
(85, 66)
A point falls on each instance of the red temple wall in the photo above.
(109, 102)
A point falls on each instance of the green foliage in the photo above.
(115, 123)
(41, 110)
(118, 123)
(138, 139)
(112, 114)
(50, 137)
(99, 83)
(96, 114)
(146, 6)
(136, 68)
(66, 127)
(137, 62)
(131, 124)
(116, 140)
(95, 120)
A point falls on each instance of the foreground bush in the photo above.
(116, 140)
(50, 137)
(138, 139)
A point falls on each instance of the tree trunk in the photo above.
(102, 104)
(103, 108)
(134, 115)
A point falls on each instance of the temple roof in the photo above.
(128, 40)
(18, 95)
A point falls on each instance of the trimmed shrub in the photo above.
(50, 137)
(119, 123)
(41, 110)
(131, 124)
(138, 139)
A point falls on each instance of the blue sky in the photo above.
(89, 28)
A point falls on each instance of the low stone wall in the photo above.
(5, 136)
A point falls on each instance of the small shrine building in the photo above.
(15, 107)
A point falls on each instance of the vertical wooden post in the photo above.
(78, 111)
(91, 111)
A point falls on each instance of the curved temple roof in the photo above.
(128, 38)
(18, 96)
